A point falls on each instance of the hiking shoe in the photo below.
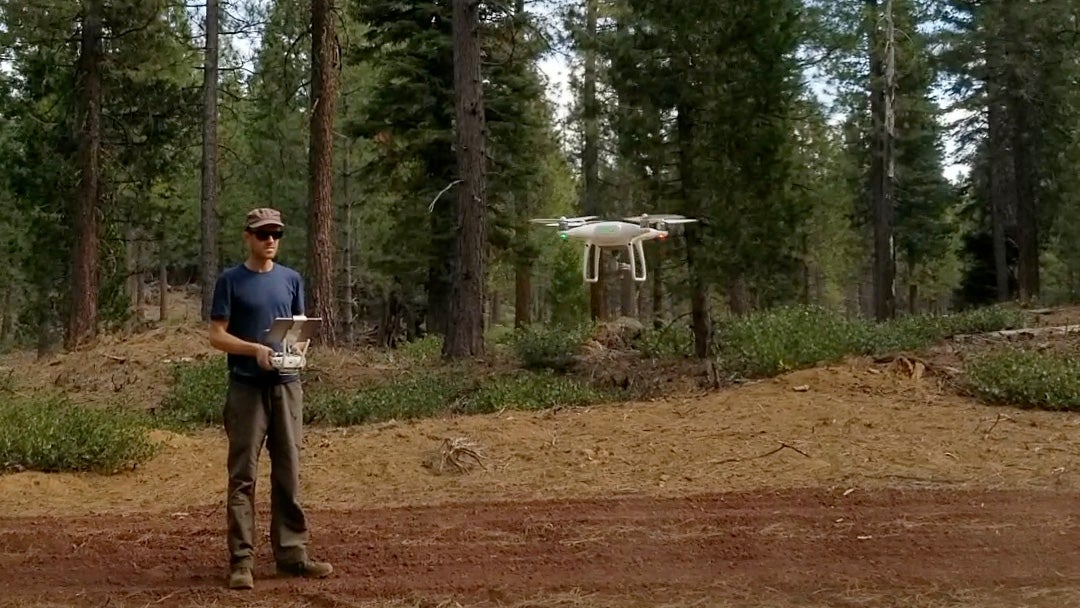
(306, 569)
(241, 578)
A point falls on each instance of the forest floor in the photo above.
(865, 483)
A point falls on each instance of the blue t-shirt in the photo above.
(250, 301)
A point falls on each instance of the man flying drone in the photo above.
(614, 234)
(264, 400)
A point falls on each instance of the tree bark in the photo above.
(348, 306)
(1026, 207)
(1000, 195)
(882, 173)
(324, 66)
(699, 294)
(82, 316)
(163, 292)
(628, 295)
(522, 294)
(208, 254)
(590, 156)
(465, 335)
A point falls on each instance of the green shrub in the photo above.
(531, 391)
(554, 348)
(436, 394)
(196, 396)
(787, 338)
(670, 341)
(1025, 379)
(51, 434)
(782, 339)
(422, 395)
(422, 350)
(918, 331)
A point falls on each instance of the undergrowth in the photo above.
(1025, 378)
(784, 339)
(197, 396)
(51, 434)
(758, 345)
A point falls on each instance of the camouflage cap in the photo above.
(257, 218)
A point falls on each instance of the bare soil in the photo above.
(860, 484)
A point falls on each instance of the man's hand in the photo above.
(222, 340)
(262, 356)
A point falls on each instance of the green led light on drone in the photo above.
(563, 236)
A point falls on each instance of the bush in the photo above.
(197, 394)
(54, 435)
(1025, 379)
(910, 333)
(531, 391)
(670, 341)
(422, 350)
(433, 394)
(417, 396)
(555, 348)
(788, 338)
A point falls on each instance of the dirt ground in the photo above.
(850, 485)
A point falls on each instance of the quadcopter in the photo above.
(614, 234)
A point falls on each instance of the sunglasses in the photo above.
(263, 235)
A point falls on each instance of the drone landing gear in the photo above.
(634, 252)
(591, 262)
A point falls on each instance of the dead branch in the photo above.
(1027, 331)
(782, 447)
(459, 454)
(1000, 417)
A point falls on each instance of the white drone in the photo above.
(614, 234)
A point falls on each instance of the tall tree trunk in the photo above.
(440, 269)
(208, 254)
(699, 294)
(739, 295)
(163, 292)
(628, 295)
(8, 316)
(1000, 194)
(496, 307)
(131, 269)
(1026, 208)
(659, 294)
(465, 335)
(348, 306)
(522, 293)
(590, 157)
(324, 66)
(882, 173)
(82, 319)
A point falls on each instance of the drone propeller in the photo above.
(564, 222)
(661, 219)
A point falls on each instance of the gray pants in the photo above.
(273, 414)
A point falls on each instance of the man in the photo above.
(261, 404)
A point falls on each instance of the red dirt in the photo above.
(793, 543)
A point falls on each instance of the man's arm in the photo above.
(221, 339)
(224, 341)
